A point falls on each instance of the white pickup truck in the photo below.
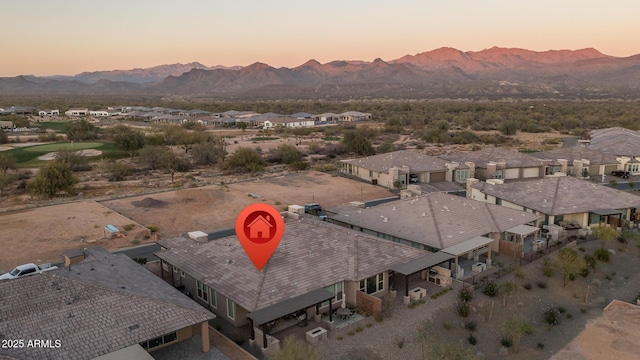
(26, 270)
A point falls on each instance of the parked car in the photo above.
(621, 174)
(413, 178)
(26, 270)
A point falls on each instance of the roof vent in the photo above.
(385, 219)
(424, 213)
(198, 236)
(229, 261)
(393, 208)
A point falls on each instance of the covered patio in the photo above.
(473, 248)
(263, 318)
(420, 264)
(519, 240)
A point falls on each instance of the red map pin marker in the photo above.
(259, 227)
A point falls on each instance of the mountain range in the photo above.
(441, 73)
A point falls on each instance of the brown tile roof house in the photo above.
(437, 221)
(384, 169)
(311, 255)
(560, 195)
(500, 163)
(616, 141)
(100, 306)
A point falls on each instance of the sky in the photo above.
(67, 37)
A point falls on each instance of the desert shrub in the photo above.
(472, 339)
(359, 329)
(541, 284)
(447, 325)
(152, 228)
(602, 254)
(463, 308)
(465, 295)
(551, 316)
(591, 261)
(527, 286)
(470, 325)
(400, 342)
(569, 316)
(369, 325)
(585, 271)
(378, 317)
(127, 227)
(562, 310)
(540, 345)
(572, 277)
(583, 310)
(351, 333)
(506, 341)
(490, 289)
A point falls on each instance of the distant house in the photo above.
(326, 118)
(6, 125)
(315, 266)
(616, 141)
(354, 116)
(563, 200)
(397, 168)
(106, 305)
(499, 163)
(289, 122)
(77, 112)
(99, 113)
(49, 112)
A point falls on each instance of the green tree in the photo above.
(210, 152)
(568, 261)
(52, 179)
(244, 160)
(508, 127)
(7, 162)
(3, 137)
(356, 141)
(6, 180)
(76, 161)
(81, 130)
(505, 288)
(294, 349)
(518, 326)
(605, 233)
(629, 236)
(287, 154)
(129, 140)
(152, 156)
(242, 125)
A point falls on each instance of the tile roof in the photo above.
(560, 195)
(88, 312)
(312, 254)
(616, 140)
(513, 159)
(572, 153)
(437, 220)
(415, 161)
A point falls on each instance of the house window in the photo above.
(203, 291)
(231, 309)
(498, 201)
(461, 175)
(336, 289)
(213, 298)
(498, 174)
(633, 167)
(160, 340)
(181, 273)
(373, 284)
(370, 173)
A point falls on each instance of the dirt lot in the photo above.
(45, 233)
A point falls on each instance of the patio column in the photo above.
(406, 285)
(318, 309)
(204, 335)
(253, 332)
(264, 336)
(161, 270)
(331, 310)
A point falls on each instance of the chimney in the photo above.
(198, 236)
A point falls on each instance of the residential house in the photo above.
(302, 115)
(107, 305)
(99, 113)
(315, 265)
(499, 163)
(77, 112)
(441, 222)
(579, 161)
(354, 116)
(48, 112)
(289, 122)
(616, 141)
(565, 201)
(326, 118)
(398, 168)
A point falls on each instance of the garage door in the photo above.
(594, 170)
(609, 168)
(438, 177)
(531, 172)
(512, 173)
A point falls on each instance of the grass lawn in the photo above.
(28, 156)
(60, 127)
